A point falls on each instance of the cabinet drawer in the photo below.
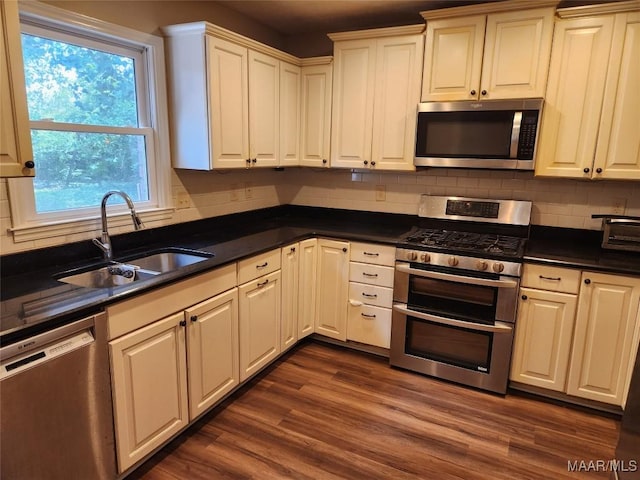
(373, 253)
(255, 267)
(371, 274)
(554, 279)
(370, 294)
(369, 324)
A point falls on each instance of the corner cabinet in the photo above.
(376, 87)
(235, 103)
(332, 289)
(16, 155)
(591, 119)
(489, 56)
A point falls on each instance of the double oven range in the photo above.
(456, 288)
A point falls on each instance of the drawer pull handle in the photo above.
(371, 254)
(372, 275)
(369, 295)
(366, 315)
(262, 284)
(555, 279)
(263, 265)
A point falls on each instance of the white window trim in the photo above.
(24, 227)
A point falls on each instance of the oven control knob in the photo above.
(481, 265)
(425, 257)
(498, 267)
(453, 261)
(412, 256)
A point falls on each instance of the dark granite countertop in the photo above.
(32, 299)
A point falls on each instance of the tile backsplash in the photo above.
(197, 195)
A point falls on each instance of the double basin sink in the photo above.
(133, 269)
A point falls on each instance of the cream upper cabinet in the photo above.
(290, 282)
(494, 56)
(16, 155)
(606, 338)
(332, 288)
(591, 119)
(226, 94)
(376, 88)
(315, 128)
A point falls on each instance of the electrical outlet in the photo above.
(183, 200)
(233, 194)
(248, 191)
(618, 205)
(381, 193)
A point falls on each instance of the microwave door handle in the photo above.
(498, 327)
(515, 135)
(486, 282)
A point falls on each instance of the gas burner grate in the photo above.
(467, 241)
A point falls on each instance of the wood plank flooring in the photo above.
(325, 412)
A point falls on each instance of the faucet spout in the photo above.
(104, 243)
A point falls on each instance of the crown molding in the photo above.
(313, 61)
(486, 8)
(377, 33)
(599, 9)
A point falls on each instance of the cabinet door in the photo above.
(212, 346)
(333, 289)
(606, 337)
(15, 135)
(307, 287)
(453, 59)
(229, 103)
(618, 148)
(289, 115)
(397, 92)
(259, 323)
(290, 281)
(573, 102)
(544, 331)
(352, 113)
(149, 380)
(264, 107)
(315, 129)
(516, 54)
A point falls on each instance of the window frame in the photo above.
(63, 25)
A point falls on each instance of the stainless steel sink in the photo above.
(133, 268)
(104, 277)
(168, 259)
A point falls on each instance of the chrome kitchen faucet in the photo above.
(104, 243)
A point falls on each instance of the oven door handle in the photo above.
(487, 282)
(498, 327)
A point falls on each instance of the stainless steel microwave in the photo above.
(492, 134)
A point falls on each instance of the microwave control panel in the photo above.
(527, 139)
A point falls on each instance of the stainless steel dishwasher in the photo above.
(56, 417)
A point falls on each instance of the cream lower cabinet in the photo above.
(290, 269)
(16, 155)
(606, 337)
(307, 287)
(376, 89)
(260, 300)
(332, 289)
(591, 120)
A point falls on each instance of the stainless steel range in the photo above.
(455, 290)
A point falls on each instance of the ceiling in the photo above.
(296, 17)
(302, 17)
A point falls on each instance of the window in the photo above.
(97, 111)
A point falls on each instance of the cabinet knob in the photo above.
(373, 163)
(344, 249)
(472, 92)
(483, 92)
(366, 162)
(586, 170)
(183, 323)
(598, 170)
(29, 164)
(254, 160)
(248, 160)
(524, 297)
(587, 281)
(194, 318)
(324, 160)
(293, 249)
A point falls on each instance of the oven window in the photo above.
(475, 303)
(451, 345)
(485, 134)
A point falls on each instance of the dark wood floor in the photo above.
(324, 412)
